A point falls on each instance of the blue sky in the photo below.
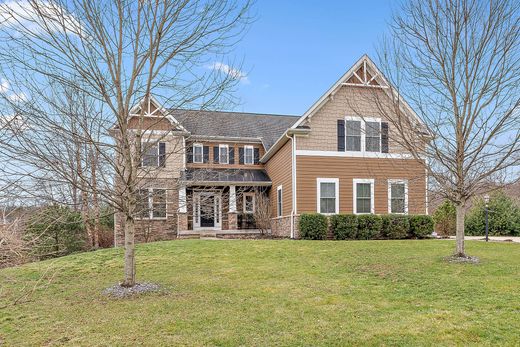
(296, 50)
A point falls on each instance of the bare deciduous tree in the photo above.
(115, 53)
(457, 62)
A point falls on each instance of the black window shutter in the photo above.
(162, 154)
(341, 135)
(231, 155)
(256, 155)
(215, 155)
(205, 150)
(241, 155)
(189, 154)
(384, 137)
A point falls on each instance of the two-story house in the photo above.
(206, 168)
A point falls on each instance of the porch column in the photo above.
(232, 214)
(182, 215)
(182, 200)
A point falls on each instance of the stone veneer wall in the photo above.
(147, 230)
(281, 227)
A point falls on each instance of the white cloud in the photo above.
(232, 72)
(13, 122)
(17, 97)
(4, 85)
(34, 16)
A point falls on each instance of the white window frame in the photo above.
(252, 148)
(158, 145)
(252, 194)
(279, 204)
(220, 148)
(355, 181)
(151, 204)
(198, 145)
(321, 180)
(397, 181)
(363, 121)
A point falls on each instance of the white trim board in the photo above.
(354, 154)
(398, 181)
(320, 180)
(355, 181)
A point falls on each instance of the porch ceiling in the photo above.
(249, 177)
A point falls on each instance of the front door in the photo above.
(207, 211)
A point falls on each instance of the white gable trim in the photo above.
(159, 107)
(342, 81)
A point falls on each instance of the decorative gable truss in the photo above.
(153, 109)
(365, 77)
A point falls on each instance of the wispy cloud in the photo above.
(37, 16)
(17, 97)
(230, 71)
(4, 85)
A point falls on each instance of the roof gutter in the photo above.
(282, 140)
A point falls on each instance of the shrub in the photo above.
(445, 218)
(421, 226)
(56, 231)
(395, 226)
(313, 226)
(344, 226)
(369, 226)
(504, 217)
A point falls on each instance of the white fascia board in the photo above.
(352, 154)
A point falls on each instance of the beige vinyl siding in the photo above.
(279, 169)
(347, 101)
(309, 168)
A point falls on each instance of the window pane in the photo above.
(373, 136)
(363, 205)
(353, 143)
(353, 135)
(397, 206)
(223, 151)
(373, 129)
(159, 203)
(151, 155)
(197, 154)
(328, 190)
(353, 127)
(248, 156)
(327, 205)
(373, 144)
(363, 190)
(249, 203)
(397, 190)
(143, 210)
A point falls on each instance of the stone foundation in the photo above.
(281, 227)
(147, 230)
(232, 221)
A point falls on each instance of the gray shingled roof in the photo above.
(266, 127)
(227, 175)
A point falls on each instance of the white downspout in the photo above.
(293, 180)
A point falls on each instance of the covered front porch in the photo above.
(221, 202)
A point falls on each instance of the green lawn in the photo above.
(229, 293)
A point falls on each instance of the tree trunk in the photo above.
(95, 201)
(129, 280)
(461, 212)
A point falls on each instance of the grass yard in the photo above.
(230, 293)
